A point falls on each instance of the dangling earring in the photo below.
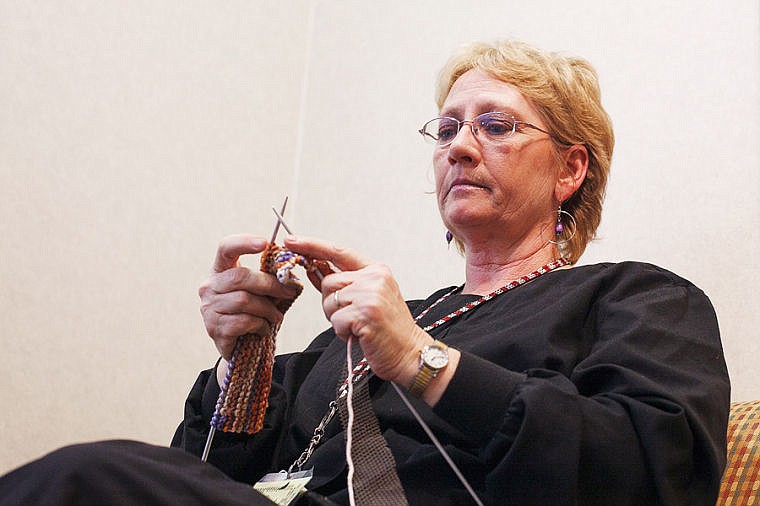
(559, 227)
(449, 238)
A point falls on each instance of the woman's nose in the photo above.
(465, 146)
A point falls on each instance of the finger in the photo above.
(334, 294)
(243, 278)
(232, 326)
(232, 247)
(245, 303)
(343, 258)
(343, 322)
(337, 300)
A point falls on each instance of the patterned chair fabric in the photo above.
(741, 480)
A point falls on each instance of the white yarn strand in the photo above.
(350, 423)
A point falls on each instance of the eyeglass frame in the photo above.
(429, 138)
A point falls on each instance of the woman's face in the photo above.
(505, 188)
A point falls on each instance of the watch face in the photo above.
(436, 357)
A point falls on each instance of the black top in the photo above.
(601, 384)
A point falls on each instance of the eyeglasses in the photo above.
(495, 127)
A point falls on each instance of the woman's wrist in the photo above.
(437, 385)
(410, 364)
(440, 382)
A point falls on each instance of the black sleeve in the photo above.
(640, 419)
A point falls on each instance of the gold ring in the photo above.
(336, 298)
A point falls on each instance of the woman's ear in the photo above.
(572, 173)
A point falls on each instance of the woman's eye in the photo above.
(447, 132)
(496, 127)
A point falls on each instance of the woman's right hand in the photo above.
(236, 300)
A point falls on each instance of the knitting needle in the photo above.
(437, 444)
(212, 430)
(281, 220)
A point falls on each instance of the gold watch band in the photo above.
(421, 381)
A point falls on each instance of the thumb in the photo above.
(232, 247)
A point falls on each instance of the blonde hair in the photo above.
(565, 91)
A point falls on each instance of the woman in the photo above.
(601, 384)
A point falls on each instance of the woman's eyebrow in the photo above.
(488, 106)
(450, 111)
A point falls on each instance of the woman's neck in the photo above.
(488, 269)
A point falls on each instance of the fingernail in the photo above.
(291, 238)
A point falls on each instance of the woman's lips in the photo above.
(465, 185)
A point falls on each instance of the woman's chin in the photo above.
(461, 212)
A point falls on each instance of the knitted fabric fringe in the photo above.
(244, 395)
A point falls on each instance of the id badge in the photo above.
(283, 489)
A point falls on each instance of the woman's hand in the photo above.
(236, 300)
(368, 306)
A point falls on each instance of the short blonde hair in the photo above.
(565, 91)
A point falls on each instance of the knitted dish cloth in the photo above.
(244, 394)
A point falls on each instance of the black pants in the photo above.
(123, 473)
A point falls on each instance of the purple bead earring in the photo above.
(558, 228)
(449, 237)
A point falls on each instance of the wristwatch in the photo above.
(433, 358)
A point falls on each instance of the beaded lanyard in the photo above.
(362, 370)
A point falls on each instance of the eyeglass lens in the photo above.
(494, 126)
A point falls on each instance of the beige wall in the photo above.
(133, 136)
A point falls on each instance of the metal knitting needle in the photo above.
(437, 444)
(280, 219)
(212, 430)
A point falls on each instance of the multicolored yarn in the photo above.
(244, 395)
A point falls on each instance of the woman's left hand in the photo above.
(364, 300)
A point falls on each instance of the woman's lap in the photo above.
(123, 472)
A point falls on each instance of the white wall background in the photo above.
(133, 136)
